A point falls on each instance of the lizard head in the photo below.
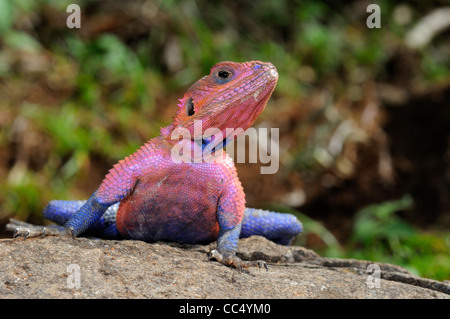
(231, 97)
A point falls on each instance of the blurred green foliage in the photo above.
(73, 102)
(379, 234)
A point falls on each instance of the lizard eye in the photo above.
(223, 76)
(190, 107)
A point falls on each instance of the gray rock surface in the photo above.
(48, 268)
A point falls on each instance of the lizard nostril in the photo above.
(268, 67)
(257, 66)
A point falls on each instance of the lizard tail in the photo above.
(278, 227)
(60, 211)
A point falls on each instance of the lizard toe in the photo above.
(25, 230)
(236, 262)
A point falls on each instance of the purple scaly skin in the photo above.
(196, 202)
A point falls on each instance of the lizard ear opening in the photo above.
(190, 107)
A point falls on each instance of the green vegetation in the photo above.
(380, 234)
(74, 101)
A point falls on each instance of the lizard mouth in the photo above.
(212, 144)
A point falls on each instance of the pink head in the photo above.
(232, 96)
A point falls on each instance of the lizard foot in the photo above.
(236, 262)
(22, 229)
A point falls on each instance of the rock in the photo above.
(49, 267)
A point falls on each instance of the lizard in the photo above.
(148, 196)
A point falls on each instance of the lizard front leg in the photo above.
(22, 229)
(79, 222)
(230, 211)
(226, 250)
(88, 214)
(117, 184)
(226, 247)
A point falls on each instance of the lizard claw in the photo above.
(25, 230)
(226, 259)
(236, 262)
(262, 264)
(19, 232)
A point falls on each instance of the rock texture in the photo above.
(49, 268)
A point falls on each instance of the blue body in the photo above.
(278, 227)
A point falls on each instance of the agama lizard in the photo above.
(150, 197)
